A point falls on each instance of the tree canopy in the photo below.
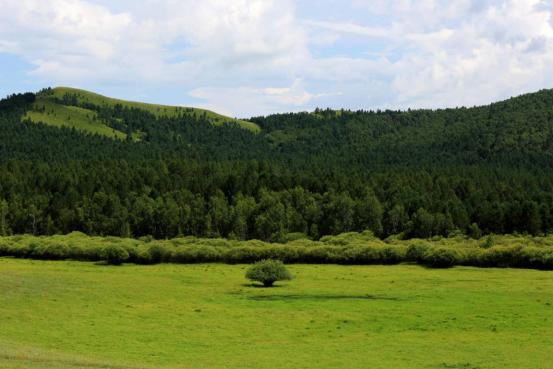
(418, 173)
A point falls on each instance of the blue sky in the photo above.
(254, 57)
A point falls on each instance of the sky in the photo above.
(247, 58)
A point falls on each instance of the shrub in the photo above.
(498, 256)
(196, 254)
(268, 272)
(473, 231)
(534, 257)
(513, 251)
(416, 252)
(4, 247)
(212, 242)
(440, 258)
(294, 236)
(368, 254)
(146, 239)
(158, 253)
(318, 254)
(115, 255)
(349, 238)
(488, 242)
(50, 251)
(141, 255)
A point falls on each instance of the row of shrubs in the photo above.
(359, 250)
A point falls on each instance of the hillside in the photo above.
(516, 131)
(416, 173)
(75, 108)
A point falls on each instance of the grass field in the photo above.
(68, 314)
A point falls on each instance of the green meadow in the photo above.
(70, 314)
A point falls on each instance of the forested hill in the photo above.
(71, 160)
(516, 131)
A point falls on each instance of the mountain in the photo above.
(71, 160)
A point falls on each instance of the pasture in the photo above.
(68, 315)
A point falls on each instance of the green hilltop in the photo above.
(51, 107)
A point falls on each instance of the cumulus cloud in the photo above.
(256, 101)
(250, 57)
(165, 41)
(460, 52)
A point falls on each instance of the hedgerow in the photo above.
(351, 248)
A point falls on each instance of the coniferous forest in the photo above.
(416, 173)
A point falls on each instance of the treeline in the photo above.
(416, 173)
(256, 200)
(350, 249)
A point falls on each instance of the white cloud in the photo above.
(483, 59)
(455, 53)
(76, 40)
(257, 101)
(249, 57)
(348, 27)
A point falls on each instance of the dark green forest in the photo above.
(416, 173)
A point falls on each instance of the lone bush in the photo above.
(115, 255)
(268, 272)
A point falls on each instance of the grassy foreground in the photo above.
(66, 314)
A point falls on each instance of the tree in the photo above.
(242, 212)
(319, 174)
(268, 272)
(532, 217)
(396, 220)
(423, 223)
(271, 217)
(338, 213)
(474, 231)
(443, 224)
(219, 213)
(3, 218)
(369, 213)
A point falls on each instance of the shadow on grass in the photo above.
(256, 285)
(320, 297)
(106, 264)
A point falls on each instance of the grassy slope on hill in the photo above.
(72, 315)
(49, 111)
(157, 110)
